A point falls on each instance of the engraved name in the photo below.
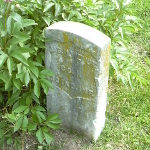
(72, 89)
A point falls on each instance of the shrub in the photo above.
(23, 77)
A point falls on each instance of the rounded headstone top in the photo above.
(82, 30)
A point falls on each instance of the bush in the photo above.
(23, 77)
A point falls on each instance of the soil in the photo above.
(68, 141)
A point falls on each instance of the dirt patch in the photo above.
(68, 141)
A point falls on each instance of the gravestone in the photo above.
(79, 57)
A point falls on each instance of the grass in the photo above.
(128, 120)
(142, 10)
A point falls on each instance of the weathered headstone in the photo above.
(79, 56)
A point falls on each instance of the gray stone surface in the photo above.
(79, 56)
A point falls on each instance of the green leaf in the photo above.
(39, 119)
(120, 29)
(114, 63)
(20, 109)
(79, 16)
(15, 105)
(47, 72)
(39, 2)
(111, 71)
(41, 115)
(25, 122)
(38, 64)
(130, 79)
(48, 137)
(10, 64)
(52, 117)
(53, 126)
(48, 39)
(117, 4)
(26, 111)
(133, 18)
(2, 77)
(45, 129)
(37, 89)
(14, 89)
(17, 144)
(35, 118)
(27, 78)
(58, 9)
(17, 83)
(1, 133)
(75, 13)
(24, 50)
(1, 98)
(64, 16)
(127, 2)
(47, 20)
(17, 18)
(22, 101)
(19, 57)
(20, 75)
(14, 41)
(33, 68)
(123, 78)
(47, 82)
(10, 141)
(35, 98)
(8, 83)
(39, 136)
(147, 60)
(14, 97)
(39, 108)
(45, 87)
(56, 121)
(18, 123)
(31, 126)
(2, 124)
(3, 58)
(12, 117)
(1, 25)
(21, 36)
(17, 27)
(28, 100)
(48, 6)
(28, 22)
(33, 77)
(9, 25)
(39, 59)
(3, 33)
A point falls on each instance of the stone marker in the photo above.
(79, 56)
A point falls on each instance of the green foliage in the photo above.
(22, 46)
(142, 10)
(23, 75)
(114, 18)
